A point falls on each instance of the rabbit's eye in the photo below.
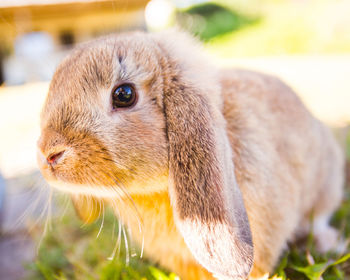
(123, 96)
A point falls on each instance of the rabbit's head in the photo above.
(143, 112)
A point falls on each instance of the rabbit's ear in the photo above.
(208, 206)
(88, 208)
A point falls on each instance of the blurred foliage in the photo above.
(287, 27)
(209, 20)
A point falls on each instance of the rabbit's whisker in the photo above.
(127, 256)
(136, 212)
(45, 209)
(66, 205)
(33, 205)
(138, 217)
(103, 217)
(113, 231)
(47, 225)
(118, 241)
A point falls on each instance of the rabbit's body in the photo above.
(292, 131)
(303, 173)
(200, 153)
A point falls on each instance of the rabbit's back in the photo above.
(285, 159)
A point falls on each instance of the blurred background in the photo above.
(304, 42)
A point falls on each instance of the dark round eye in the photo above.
(123, 96)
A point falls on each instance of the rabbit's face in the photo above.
(103, 124)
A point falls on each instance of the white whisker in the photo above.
(118, 242)
(66, 205)
(132, 247)
(127, 256)
(120, 225)
(47, 222)
(103, 218)
(32, 207)
(113, 231)
(137, 215)
(45, 209)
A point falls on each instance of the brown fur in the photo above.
(201, 153)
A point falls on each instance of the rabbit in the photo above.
(223, 166)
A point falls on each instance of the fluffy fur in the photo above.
(225, 167)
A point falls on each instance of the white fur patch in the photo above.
(218, 248)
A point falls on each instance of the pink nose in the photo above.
(53, 158)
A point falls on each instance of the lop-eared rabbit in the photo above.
(213, 170)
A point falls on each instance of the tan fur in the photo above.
(286, 164)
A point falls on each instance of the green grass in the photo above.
(70, 250)
(303, 262)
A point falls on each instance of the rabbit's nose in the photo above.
(51, 148)
(53, 158)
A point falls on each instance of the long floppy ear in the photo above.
(208, 206)
(88, 208)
